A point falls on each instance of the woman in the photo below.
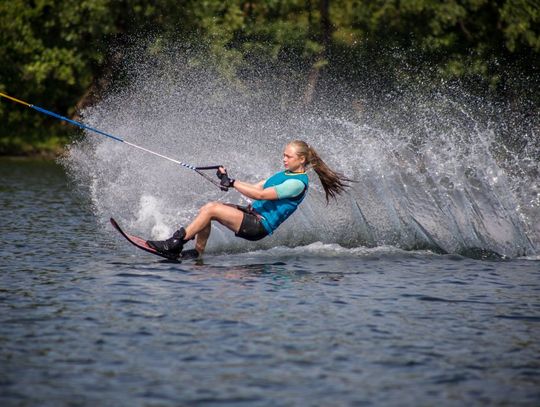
(275, 200)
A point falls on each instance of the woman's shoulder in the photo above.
(283, 176)
(300, 176)
(290, 188)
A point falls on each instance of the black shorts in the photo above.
(251, 227)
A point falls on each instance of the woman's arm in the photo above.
(253, 191)
(256, 191)
(287, 189)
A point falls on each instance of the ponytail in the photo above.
(334, 183)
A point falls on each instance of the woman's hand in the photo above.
(226, 181)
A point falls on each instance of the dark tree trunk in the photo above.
(324, 38)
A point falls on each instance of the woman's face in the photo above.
(291, 160)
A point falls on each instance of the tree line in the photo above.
(62, 54)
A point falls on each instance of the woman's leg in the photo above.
(227, 215)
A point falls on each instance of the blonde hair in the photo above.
(334, 183)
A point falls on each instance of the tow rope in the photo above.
(198, 170)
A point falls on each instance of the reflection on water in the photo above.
(86, 319)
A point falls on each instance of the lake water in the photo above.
(86, 319)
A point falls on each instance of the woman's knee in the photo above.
(211, 208)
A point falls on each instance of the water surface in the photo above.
(86, 319)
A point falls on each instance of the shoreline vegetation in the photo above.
(66, 55)
(50, 149)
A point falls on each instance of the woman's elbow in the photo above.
(267, 195)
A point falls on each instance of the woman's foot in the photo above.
(172, 246)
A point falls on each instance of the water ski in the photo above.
(140, 242)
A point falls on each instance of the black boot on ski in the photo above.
(172, 247)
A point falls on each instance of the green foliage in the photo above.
(521, 19)
(481, 40)
(46, 55)
(57, 53)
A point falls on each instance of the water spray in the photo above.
(198, 170)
